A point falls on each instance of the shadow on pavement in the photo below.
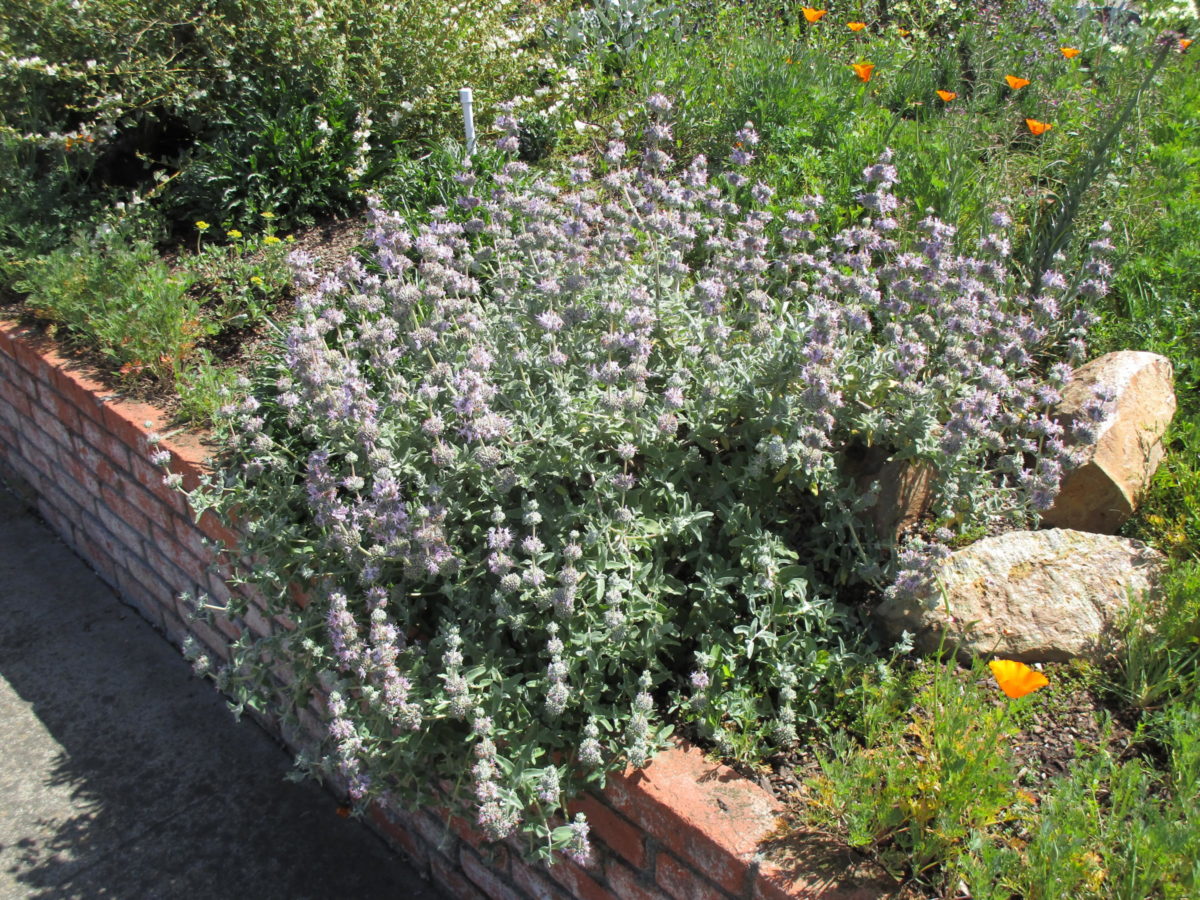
(124, 776)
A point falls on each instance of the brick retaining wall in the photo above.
(683, 827)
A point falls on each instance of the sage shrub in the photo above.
(567, 465)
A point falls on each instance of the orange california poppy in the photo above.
(903, 32)
(1016, 679)
(1016, 83)
(856, 26)
(947, 96)
(863, 70)
(1038, 128)
(1184, 44)
(1068, 52)
(813, 15)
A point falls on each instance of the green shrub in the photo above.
(118, 297)
(1109, 829)
(122, 89)
(1160, 659)
(930, 774)
(568, 449)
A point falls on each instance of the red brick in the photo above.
(299, 595)
(13, 420)
(253, 595)
(58, 406)
(54, 497)
(28, 358)
(112, 501)
(80, 483)
(533, 881)
(101, 439)
(164, 546)
(38, 447)
(145, 600)
(257, 624)
(127, 420)
(57, 513)
(15, 392)
(624, 839)
(631, 885)
(191, 452)
(189, 536)
(217, 589)
(173, 627)
(433, 831)
(452, 880)
(100, 536)
(151, 478)
(579, 884)
(462, 829)
(162, 592)
(397, 831)
(84, 392)
(97, 464)
(95, 555)
(174, 578)
(8, 436)
(6, 348)
(23, 469)
(149, 505)
(706, 814)
(682, 883)
(489, 876)
(216, 530)
(50, 423)
(211, 640)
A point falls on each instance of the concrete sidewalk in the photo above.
(122, 776)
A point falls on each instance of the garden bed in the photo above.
(681, 827)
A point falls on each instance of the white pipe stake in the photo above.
(464, 97)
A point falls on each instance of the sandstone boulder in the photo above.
(1033, 596)
(1101, 493)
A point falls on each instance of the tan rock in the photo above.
(1105, 489)
(1033, 596)
(904, 490)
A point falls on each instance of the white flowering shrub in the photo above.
(565, 466)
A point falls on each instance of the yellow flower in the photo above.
(1068, 52)
(256, 279)
(268, 215)
(813, 15)
(271, 239)
(856, 26)
(202, 226)
(233, 233)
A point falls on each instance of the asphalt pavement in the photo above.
(124, 776)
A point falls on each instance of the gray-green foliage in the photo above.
(577, 452)
(613, 30)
